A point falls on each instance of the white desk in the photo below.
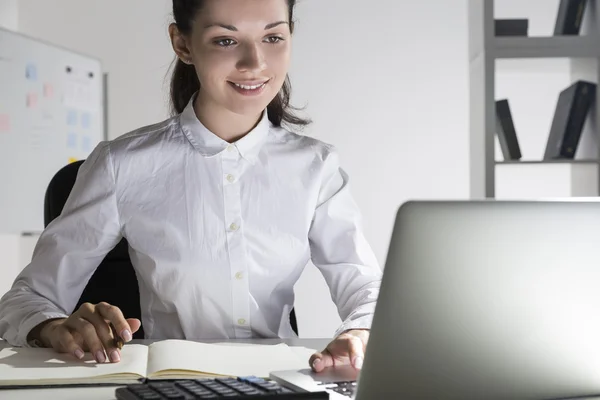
(108, 393)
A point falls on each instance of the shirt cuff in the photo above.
(29, 324)
(363, 322)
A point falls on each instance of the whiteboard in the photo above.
(51, 114)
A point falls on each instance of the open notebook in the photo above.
(167, 359)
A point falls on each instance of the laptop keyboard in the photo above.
(344, 388)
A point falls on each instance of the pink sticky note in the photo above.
(4, 123)
(48, 90)
(32, 99)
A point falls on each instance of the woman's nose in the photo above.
(253, 60)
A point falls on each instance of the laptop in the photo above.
(484, 299)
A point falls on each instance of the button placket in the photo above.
(240, 300)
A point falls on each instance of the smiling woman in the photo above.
(221, 205)
(236, 55)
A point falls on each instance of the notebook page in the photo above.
(22, 365)
(305, 353)
(221, 359)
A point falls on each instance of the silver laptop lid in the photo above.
(488, 299)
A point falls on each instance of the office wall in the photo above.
(9, 14)
(9, 244)
(385, 80)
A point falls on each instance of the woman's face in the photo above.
(241, 51)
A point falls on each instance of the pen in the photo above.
(118, 340)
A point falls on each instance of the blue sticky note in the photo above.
(86, 120)
(72, 118)
(31, 72)
(72, 140)
(86, 143)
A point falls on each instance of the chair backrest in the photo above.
(114, 281)
(102, 286)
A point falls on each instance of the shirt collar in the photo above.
(209, 144)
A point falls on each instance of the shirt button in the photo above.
(241, 321)
(233, 227)
(239, 276)
(230, 148)
(230, 178)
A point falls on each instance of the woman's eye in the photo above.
(274, 39)
(225, 42)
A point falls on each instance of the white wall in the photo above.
(9, 14)
(385, 80)
(10, 245)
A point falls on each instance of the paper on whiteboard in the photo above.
(79, 94)
(4, 123)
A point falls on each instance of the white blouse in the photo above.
(219, 233)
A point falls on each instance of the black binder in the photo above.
(572, 108)
(511, 27)
(505, 129)
(569, 17)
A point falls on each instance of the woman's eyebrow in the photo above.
(274, 24)
(234, 29)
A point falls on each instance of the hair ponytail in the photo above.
(184, 84)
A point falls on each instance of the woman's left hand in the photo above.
(346, 349)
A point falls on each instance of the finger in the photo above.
(63, 341)
(356, 352)
(88, 332)
(114, 315)
(79, 340)
(103, 331)
(321, 360)
(314, 362)
(134, 324)
(347, 349)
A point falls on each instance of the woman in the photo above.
(222, 207)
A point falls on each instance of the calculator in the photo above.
(242, 388)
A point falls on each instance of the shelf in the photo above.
(521, 66)
(550, 162)
(549, 64)
(547, 47)
(546, 180)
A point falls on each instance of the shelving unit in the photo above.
(484, 50)
(545, 47)
(552, 180)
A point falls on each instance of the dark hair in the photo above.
(184, 81)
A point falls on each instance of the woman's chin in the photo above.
(247, 108)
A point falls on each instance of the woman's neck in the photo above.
(225, 124)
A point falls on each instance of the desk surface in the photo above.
(108, 393)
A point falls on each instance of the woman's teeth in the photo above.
(249, 87)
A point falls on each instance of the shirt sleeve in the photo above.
(340, 250)
(67, 252)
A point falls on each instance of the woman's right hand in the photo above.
(88, 329)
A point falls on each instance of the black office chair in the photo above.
(102, 286)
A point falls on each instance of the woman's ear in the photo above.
(179, 43)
